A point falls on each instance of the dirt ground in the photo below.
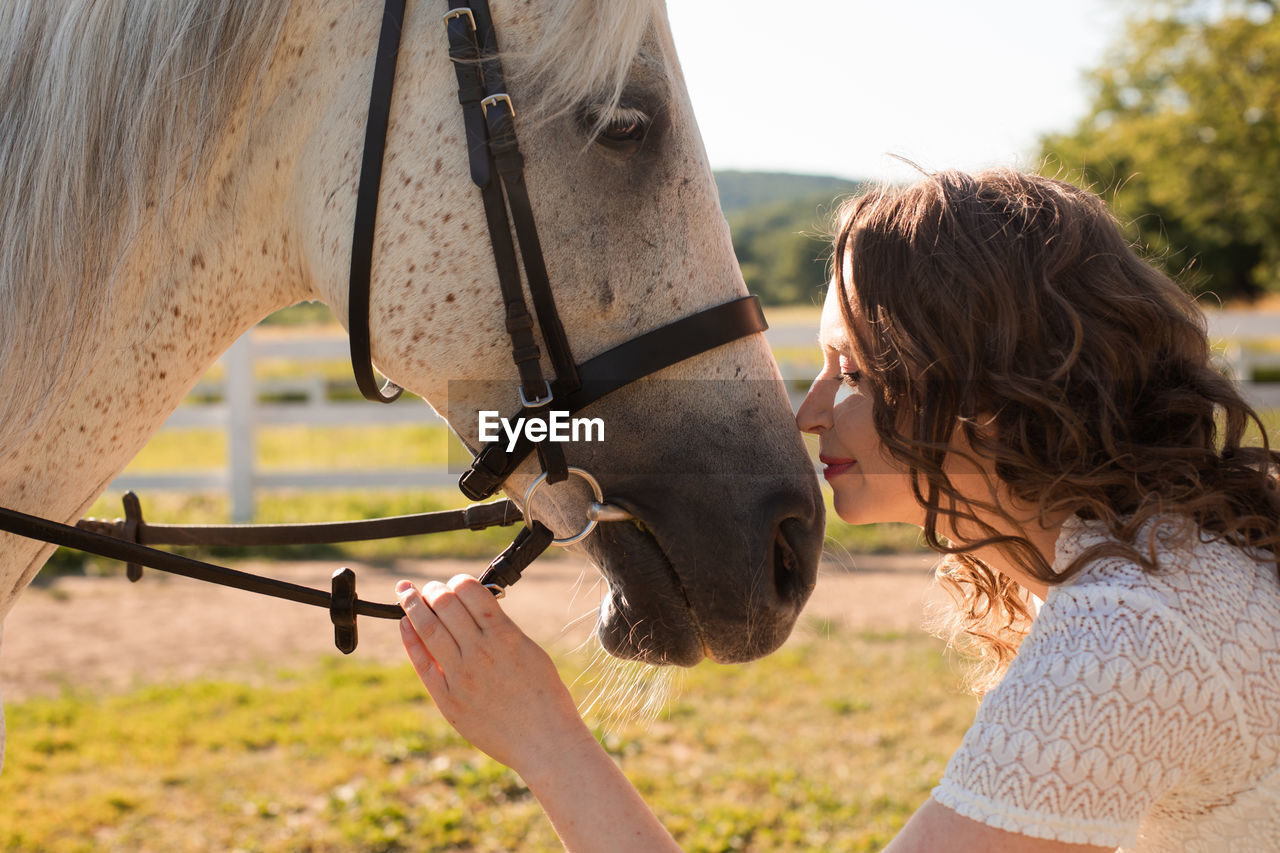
(106, 634)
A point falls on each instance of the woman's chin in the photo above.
(853, 511)
(861, 509)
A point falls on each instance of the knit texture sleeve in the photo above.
(1110, 705)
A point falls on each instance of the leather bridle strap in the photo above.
(467, 55)
(375, 143)
(615, 368)
(499, 114)
(128, 539)
(341, 601)
(134, 528)
(488, 117)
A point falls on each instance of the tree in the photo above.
(1183, 137)
(784, 248)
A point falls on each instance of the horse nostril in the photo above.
(788, 580)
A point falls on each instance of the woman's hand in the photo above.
(492, 683)
(500, 690)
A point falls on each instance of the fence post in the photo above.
(241, 399)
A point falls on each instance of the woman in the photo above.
(1003, 371)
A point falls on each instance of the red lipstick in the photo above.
(835, 467)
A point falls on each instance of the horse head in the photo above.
(722, 552)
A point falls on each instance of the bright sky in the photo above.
(834, 86)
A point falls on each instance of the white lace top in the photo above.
(1142, 710)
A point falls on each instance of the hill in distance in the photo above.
(742, 190)
(781, 230)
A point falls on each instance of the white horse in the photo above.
(172, 171)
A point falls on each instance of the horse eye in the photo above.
(624, 130)
(625, 126)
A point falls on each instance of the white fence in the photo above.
(240, 409)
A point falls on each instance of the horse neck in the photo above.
(214, 264)
(153, 351)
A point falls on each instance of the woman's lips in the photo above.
(835, 467)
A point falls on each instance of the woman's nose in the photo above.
(814, 414)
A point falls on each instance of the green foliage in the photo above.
(827, 745)
(1183, 136)
(784, 247)
(742, 190)
(780, 225)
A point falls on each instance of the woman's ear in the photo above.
(985, 426)
(973, 453)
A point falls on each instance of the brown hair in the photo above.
(1011, 306)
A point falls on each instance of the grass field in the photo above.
(827, 745)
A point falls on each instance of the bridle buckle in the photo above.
(537, 402)
(462, 12)
(494, 100)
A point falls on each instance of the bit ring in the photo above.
(598, 510)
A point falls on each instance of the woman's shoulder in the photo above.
(1212, 584)
(1206, 591)
(1205, 621)
(1130, 702)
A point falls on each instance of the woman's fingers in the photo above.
(433, 633)
(489, 680)
(452, 611)
(482, 604)
(423, 664)
(450, 619)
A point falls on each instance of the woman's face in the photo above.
(868, 485)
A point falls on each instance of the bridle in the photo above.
(497, 169)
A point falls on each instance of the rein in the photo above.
(497, 169)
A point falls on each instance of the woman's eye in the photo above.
(850, 375)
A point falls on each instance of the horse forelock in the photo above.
(584, 51)
(104, 107)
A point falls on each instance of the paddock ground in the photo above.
(106, 634)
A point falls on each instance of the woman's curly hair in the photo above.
(1011, 308)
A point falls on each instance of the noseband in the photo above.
(497, 169)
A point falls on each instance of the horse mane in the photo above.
(109, 108)
(103, 107)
